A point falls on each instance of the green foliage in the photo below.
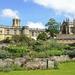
(47, 45)
(17, 50)
(71, 53)
(22, 39)
(52, 27)
(42, 36)
(55, 52)
(64, 69)
(47, 48)
(70, 50)
(13, 67)
(6, 69)
(16, 67)
(4, 54)
(54, 45)
(15, 38)
(55, 65)
(38, 46)
(35, 54)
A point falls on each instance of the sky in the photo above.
(35, 13)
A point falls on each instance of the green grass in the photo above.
(64, 69)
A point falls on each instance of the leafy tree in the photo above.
(52, 27)
(42, 36)
(23, 39)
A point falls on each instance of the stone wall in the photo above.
(61, 58)
(35, 63)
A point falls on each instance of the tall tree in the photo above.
(52, 27)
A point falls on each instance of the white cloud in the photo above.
(65, 7)
(35, 25)
(9, 13)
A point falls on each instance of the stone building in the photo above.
(16, 29)
(67, 32)
(68, 27)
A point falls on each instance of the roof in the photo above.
(65, 37)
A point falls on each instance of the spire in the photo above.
(67, 19)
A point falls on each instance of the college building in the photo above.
(67, 32)
(17, 29)
(66, 35)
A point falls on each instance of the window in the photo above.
(32, 33)
(0, 31)
(15, 32)
(7, 31)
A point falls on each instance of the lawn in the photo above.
(64, 69)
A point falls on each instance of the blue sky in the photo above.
(35, 13)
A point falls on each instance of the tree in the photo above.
(52, 27)
(42, 36)
(21, 39)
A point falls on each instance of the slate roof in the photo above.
(65, 37)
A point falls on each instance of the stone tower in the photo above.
(16, 23)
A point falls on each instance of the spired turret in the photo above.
(16, 23)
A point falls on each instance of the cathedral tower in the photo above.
(16, 23)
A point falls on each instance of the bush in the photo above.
(71, 53)
(48, 48)
(38, 46)
(17, 51)
(13, 67)
(16, 67)
(4, 54)
(42, 36)
(55, 52)
(22, 39)
(6, 69)
(55, 65)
